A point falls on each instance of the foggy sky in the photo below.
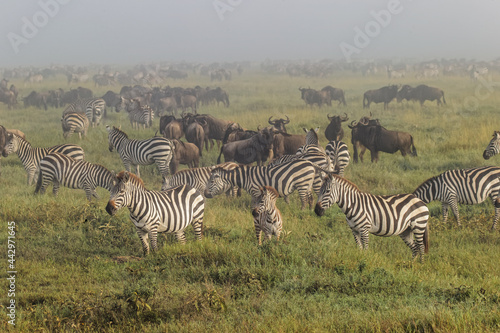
(130, 32)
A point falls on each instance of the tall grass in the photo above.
(82, 270)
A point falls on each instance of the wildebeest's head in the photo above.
(279, 124)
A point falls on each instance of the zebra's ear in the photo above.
(305, 130)
(126, 176)
(316, 129)
(107, 128)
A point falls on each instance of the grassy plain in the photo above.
(78, 269)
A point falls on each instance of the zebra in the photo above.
(141, 152)
(464, 186)
(339, 156)
(60, 169)
(151, 212)
(493, 147)
(402, 214)
(31, 156)
(74, 122)
(285, 178)
(94, 108)
(143, 115)
(267, 216)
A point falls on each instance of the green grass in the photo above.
(78, 269)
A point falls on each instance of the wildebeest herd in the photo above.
(294, 162)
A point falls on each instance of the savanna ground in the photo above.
(78, 269)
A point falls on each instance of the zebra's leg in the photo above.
(496, 202)
(364, 235)
(198, 228)
(287, 199)
(153, 235)
(444, 208)
(454, 208)
(55, 188)
(416, 246)
(181, 236)
(163, 168)
(137, 172)
(144, 237)
(258, 231)
(357, 238)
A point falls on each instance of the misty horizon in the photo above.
(44, 32)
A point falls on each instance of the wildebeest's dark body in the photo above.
(383, 95)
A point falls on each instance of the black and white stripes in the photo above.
(74, 123)
(60, 169)
(493, 147)
(168, 211)
(93, 108)
(465, 186)
(403, 214)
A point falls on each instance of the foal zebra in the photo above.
(465, 186)
(31, 156)
(402, 214)
(493, 147)
(285, 178)
(143, 115)
(339, 156)
(93, 108)
(60, 169)
(74, 122)
(267, 216)
(141, 152)
(151, 212)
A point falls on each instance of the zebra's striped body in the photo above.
(285, 178)
(196, 177)
(93, 108)
(339, 156)
(157, 211)
(465, 186)
(267, 217)
(141, 152)
(143, 115)
(31, 156)
(493, 147)
(60, 169)
(403, 214)
(74, 123)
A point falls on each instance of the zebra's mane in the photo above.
(120, 131)
(430, 180)
(270, 189)
(132, 177)
(346, 181)
(227, 166)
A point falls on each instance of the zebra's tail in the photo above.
(39, 182)
(426, 239)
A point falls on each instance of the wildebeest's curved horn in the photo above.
(353, 124)
(287, 120)
(270, 122)
(258, 128)
(345, 118)
(329, 118)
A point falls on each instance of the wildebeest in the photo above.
(215, 128)
(218, 95)
(111, 98)
(336, 94)
(188, 101)
(3, 140)
(195, 134)
(421, 93)
(279, 124)
(334, 129)
(55, 98)
(287, 144)
(8, 97)
(171, 128)
(372, 136)
(184, 153)
(258, 148)
(36, 99)
(383, 95)
(311, 97)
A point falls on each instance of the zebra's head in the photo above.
(121, 191)
(217, 183)
(115, 136)
(11, 145)
(493, 147)
(267, 201)
(328, 194)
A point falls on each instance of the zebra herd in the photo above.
(181, 201)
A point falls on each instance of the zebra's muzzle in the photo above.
(486, 155)
(208, 194)
(110, 208)
(255, 212)
(319, 210)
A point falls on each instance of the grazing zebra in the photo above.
(465, 186)
(93, 108)
(195, 177)
(339, 156)
(168, 211)
(74, 122)
(31, 156)
(60, 169)
(312, 136)
(402, 214)
(141, 152)
(143, 116)
(493, 147)
(285, 178)
(267, 216)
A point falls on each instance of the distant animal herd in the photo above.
(294, 162)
